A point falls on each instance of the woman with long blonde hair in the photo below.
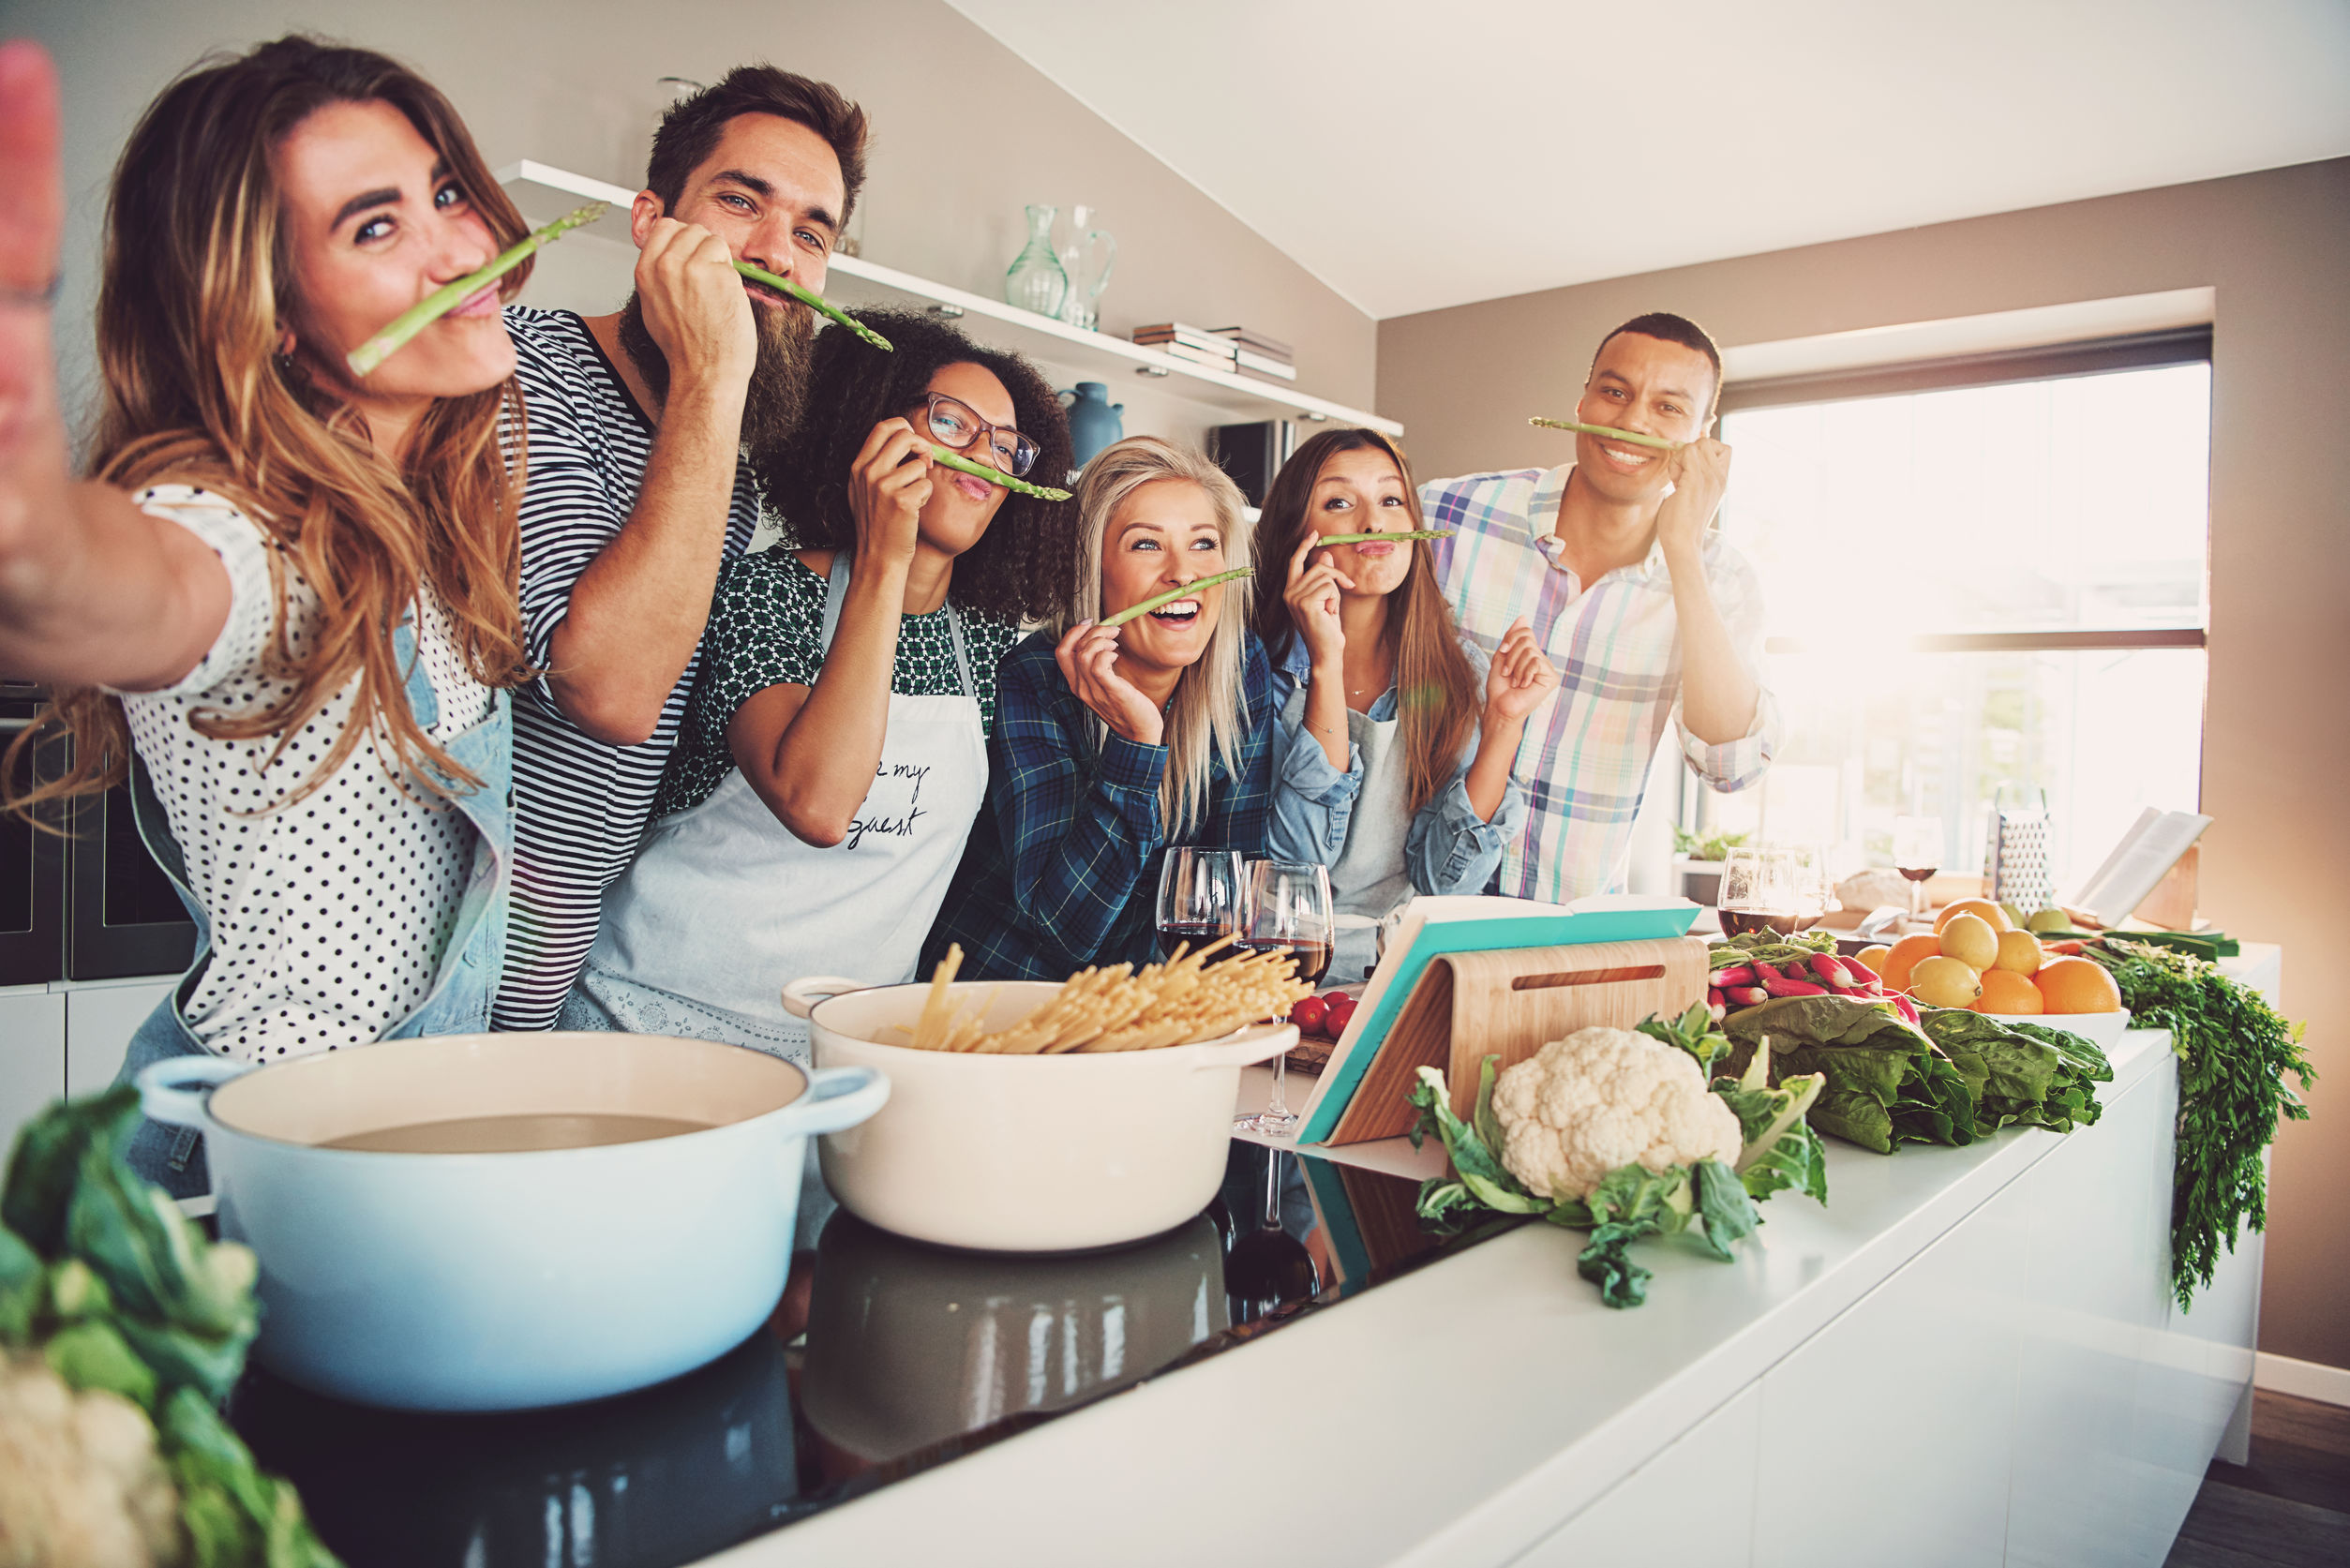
(283, 605)
(1112, 745)
(1397, 733)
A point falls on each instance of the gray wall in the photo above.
(965, 133)
(2276, 248)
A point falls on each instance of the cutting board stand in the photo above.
(1467, 1007)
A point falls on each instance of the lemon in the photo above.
(1944, 983)
(1875, 957)
(2019, 951)
(2049, 920)
(1971, 940)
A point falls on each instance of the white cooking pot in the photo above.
(1024, 1154)
(541, 1275)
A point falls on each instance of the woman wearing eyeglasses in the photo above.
(835, 753)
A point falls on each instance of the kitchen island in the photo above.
(1971, 1357)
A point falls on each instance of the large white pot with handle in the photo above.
(1022, 1154)
(546, 1272)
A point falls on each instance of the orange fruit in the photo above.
(1904, 958)
(1992, 915)
(2077, 985)
(2004, 990)
(1970, 941)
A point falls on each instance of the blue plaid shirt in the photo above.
(1062, 870)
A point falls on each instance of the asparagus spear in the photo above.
(995, 476)
(815, 301)
(1366, 538)
(1157, 599)
(1609, 431)
(384, 344)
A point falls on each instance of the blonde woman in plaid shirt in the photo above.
(1653, 619)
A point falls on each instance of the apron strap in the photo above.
(836, 593)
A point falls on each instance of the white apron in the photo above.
(724, 905)
(1370, 877)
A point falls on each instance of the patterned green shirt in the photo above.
(766, 629)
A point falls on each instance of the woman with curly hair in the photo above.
(284, 604)
(835, 753)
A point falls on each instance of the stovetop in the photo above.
(885, 1358)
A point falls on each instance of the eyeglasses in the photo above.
(954, 424)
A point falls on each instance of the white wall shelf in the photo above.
(545, 192)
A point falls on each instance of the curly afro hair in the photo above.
(1022, 565)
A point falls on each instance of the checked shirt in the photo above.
(1617, 645)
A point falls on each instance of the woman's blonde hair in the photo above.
(1205, 719)
(196, 295)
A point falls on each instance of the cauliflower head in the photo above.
(1601, 1099)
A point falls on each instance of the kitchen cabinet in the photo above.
(32, 1054)
(1968, 1357)
(100, 1022)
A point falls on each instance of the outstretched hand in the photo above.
(1519, 677)
(1088, 657)
(32, 220)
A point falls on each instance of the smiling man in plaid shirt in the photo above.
(1652, 619)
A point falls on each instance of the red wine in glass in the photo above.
(1784, 923)
(1313, 958)
(1195, 934)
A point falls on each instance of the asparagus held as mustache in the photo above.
(383, 345)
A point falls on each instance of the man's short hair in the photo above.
(1663, 324)
(689, 131)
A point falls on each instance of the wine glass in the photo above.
(1199, 898)
(1772, 888)
(1286, 905)
(1916, 854)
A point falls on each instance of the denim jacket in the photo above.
(458, 1001)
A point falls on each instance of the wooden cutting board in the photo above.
(1470, 1006)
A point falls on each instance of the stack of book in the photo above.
(1196, 344)
(1255, 354)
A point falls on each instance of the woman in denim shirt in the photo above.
(1397, 733)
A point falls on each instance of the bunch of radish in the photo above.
(1747, 972)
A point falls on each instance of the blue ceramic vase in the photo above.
(1094, 421)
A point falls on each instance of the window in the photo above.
(1979, 572)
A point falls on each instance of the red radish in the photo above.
(1909, 1009)
(1737, 974)
(1746, 996)
(1795, 987)
(1310, 1015)
(1764, 972)
(1831, 970)
(1718, 1009)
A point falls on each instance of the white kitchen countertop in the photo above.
(1454, 1416)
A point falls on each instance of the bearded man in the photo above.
(645, 427)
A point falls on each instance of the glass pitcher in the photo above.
(1081, 308)
(1036, 280)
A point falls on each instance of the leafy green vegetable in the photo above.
(2234, 1053)
(2022, 1075)
(117, 1290)
(1632, 1203)
(1886, 1081)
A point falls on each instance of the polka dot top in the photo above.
(766, 629)
(328, 914)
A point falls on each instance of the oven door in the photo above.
(124, 917)
(32, 864)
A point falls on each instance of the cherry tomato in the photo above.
(1309, 1015)
(1340, 1013)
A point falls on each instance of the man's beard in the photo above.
(779, 381)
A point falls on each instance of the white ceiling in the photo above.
(1417, 153)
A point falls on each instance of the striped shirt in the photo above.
(579, 805)
(1617, 645)
(1062, 868)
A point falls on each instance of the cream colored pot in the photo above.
(1024, 1154)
